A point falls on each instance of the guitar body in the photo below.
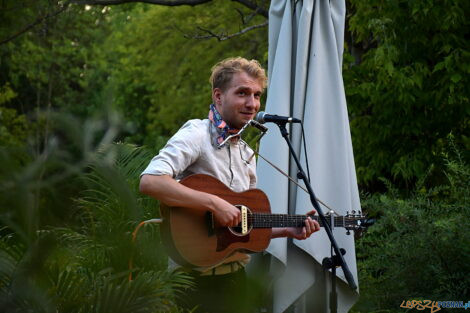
(192, 239)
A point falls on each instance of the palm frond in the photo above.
(149, 292)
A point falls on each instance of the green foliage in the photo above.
(410, 89)
(13, 126)
(418, 249)
(162, 75)
(76, 288)
(59, 63)
(68, 194)
(139, 58)
(66, 216)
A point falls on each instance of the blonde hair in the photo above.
(223, 72)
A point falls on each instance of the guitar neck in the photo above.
(267, 220)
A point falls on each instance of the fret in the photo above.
(266, 220)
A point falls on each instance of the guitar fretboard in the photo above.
(266, 220)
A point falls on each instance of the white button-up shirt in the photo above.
(192, 151)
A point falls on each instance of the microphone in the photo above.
(263, 117)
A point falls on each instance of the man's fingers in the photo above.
(308, 228)
(229, 217)
(317, 226)
(235, 222)
(236, 218)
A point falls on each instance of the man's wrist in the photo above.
(280, 232)
(212, 205)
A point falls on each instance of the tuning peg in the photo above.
(348, 232)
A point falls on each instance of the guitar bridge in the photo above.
(244, 213)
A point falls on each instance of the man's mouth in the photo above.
(248, 114)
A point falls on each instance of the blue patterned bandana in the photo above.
(223, 129)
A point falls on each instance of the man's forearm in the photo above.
(172, 193)
(279, 232)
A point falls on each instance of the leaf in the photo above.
(456, 77)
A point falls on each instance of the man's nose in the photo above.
(251, 101)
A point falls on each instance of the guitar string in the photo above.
(266, 219)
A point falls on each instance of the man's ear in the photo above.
(216, 96)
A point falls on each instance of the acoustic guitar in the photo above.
(192, 239)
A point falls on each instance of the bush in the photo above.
(66, 217)
(418, 249)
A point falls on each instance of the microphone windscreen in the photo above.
(260, 117)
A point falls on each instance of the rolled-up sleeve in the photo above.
(181, 151)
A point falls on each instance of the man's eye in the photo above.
(241, 93)
(257, 95)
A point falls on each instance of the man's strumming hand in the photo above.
(225, 214)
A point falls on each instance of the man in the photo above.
(237, 86)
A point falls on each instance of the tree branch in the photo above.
(254, 7)
(222, 36)
(246, 19)
(246, 3)
(249, 4)
(158, 2)
(36, 22)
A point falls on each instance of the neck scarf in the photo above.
(222, 128)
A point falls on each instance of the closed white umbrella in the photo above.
(305, 81)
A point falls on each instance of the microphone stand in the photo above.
(338, 257)
(332, 263)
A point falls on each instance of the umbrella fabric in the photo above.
(305, 81)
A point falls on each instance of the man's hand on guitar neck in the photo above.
(299, 233)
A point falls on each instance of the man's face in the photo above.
(240, 102)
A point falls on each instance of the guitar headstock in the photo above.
(357, 221)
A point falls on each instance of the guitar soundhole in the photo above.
(237, 230)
